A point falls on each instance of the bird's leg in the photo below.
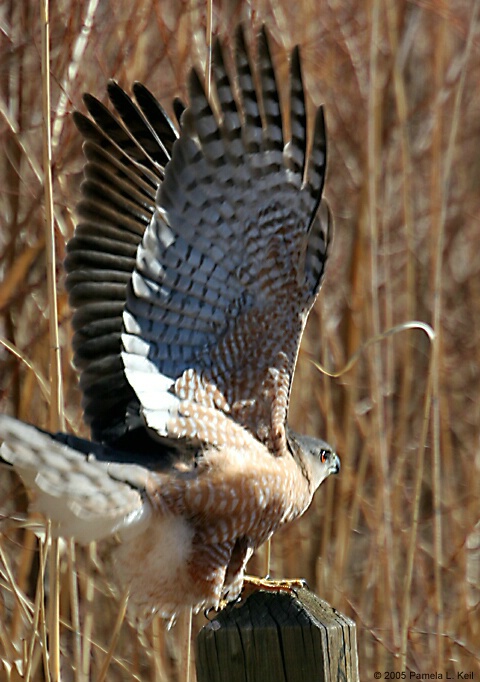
(268, 556)
(253, 583)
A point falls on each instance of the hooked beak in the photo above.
(335, 464)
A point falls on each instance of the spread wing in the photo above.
(228, 267)
(125, 165)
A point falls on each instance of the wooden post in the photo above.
(278, 637)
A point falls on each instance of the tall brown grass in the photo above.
(391, 542)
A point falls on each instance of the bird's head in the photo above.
(316, 457)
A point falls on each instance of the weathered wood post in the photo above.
(278, 637)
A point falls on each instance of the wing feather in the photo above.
(232, 260)
(197, 256)
(125, 165)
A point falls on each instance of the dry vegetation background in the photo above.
(394, 541)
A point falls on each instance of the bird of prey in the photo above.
(200, 250)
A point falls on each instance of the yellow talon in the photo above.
(252, 583)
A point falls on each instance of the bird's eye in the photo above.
(323, 456)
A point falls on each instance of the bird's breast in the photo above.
(238, 493)
(198, 519)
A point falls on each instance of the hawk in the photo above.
(200, 250)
